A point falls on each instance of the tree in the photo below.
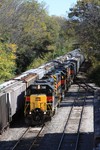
(7, 60)
(36, 34)
(87, 29)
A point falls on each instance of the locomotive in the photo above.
(44, 95)
(47, 84)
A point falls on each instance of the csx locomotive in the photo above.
(44, 95)
(37, 92)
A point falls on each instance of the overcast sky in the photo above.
(58, 7)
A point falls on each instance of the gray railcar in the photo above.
(15, 96)
(4, 119)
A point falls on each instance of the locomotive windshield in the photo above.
(39, 89)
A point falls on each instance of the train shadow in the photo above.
(50, 141)
(72, 97)
(18, 120)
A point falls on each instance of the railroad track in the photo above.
(30, 133)
(72, 142)
(72, 137)
(30, 142)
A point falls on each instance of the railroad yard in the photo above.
(74, 125)
(49, 75)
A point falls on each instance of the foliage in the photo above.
(7, 60)
(86, 14)
(38, 37)
(94, 74)
(84, 19)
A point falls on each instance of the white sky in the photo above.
(58, 7)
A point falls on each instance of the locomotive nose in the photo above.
(38, 115)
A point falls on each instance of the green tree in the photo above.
(7, 60)
(87, 15)
(36, 34)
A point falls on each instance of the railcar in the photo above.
(11, 101)
(73, 53)
(3, 112)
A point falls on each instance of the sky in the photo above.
(58, 7)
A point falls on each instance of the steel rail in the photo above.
(80, 121)
(36, 138)
(86, 85)
(14, 147)
(62, 137)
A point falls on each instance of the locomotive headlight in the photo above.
(30, 112)
(38, 86)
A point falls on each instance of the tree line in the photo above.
(36, 35)
(30, 37)
(85, 19)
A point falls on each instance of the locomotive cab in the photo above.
(40, 102)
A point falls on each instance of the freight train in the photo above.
(45, 94)
(40, 90)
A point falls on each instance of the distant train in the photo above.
(49, 81)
